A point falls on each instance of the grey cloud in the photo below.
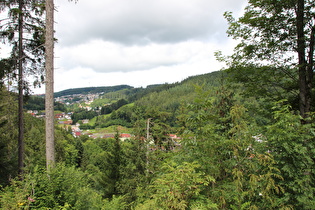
(140, 22)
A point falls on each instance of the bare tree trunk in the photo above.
(304, 80)
(49, 102)
(20, 97)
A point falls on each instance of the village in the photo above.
(78, 98)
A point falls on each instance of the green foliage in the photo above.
(66, 187)
(34, 142)
(87, 90)
(38, 103)
(268, 31)
(18, 195)
(138, 93)
(177, 187)
(6, 68)
(292, 145)
(100, 161)
(278, 34)
(218, 134)
(31, 48)
(67, 147)
(100, 102)
(132, 169)
(116, 95)
(8, 133)
(117, 203)
(114, 106)
(120, 113)
(63, 187)
(270, 82)
(83, 114)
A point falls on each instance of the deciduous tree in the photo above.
(280, 34)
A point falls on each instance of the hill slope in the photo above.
(88, 90)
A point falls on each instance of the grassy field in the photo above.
(99, 132)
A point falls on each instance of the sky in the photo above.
(138, 42)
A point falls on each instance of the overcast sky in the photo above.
(138, 42)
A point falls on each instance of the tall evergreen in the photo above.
(23, 31)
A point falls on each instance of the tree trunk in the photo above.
(304, 80)
(49, 94)
(20, 97)
(310, 65)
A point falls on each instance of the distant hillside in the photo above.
(133, 94)
(170, 96)
(210, 79)
(87, 90)
(165, 99)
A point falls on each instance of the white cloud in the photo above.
(110, 57)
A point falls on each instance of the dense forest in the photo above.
(91, 90)
(244, 135)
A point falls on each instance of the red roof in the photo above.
(68, 122)
(125, 135)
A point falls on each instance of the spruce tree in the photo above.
(23, 31)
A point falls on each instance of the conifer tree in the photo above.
(23, 31)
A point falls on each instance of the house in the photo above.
(65, 122)
(59, 116)
(32, 112)
(68, 122)
(75, 128)
(174, 137)
(77, 133)
(67, 116)
(124, 136)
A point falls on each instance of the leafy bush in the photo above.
(178, 187)
(62, 187)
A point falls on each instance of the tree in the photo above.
(23, 31)
(20, 85)
(292, 145)
(281, 34)
(132, 173)
(99, 159)
(8, 136)
(49, 91)
(49, 102)
(178, 187)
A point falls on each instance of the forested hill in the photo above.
(87, 90)
(166, 95)
(212, 78)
